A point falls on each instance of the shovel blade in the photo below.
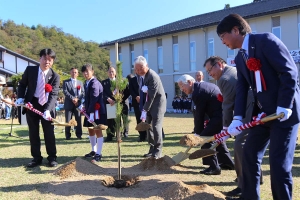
(181, 156)
(202, 153)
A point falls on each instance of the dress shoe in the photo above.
(97, 158)
(227, 166)
(52, 163)
(139, 140)
(147, 155)
(91, 154)
(211, 171)
(79, 137)
(34, 163)
(237, 192)
(68, 138)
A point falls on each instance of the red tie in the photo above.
(41, 89)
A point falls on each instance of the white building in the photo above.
(182, 47)
(12, 63)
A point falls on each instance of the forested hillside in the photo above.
(71, 51)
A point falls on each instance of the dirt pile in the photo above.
(191, 140)
(179, 190)
(66, 170)
(78, 167)
(125, 181)
(161, 164)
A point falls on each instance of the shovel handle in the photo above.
(246, 126)
(84, 113)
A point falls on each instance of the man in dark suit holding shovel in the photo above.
(205, 96)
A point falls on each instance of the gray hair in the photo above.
(140, 60)
(185, 78)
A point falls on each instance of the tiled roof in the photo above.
(250, 10)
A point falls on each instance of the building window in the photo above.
(230, 53)
(131, 46)
(1, 56)
(146, 54)
(276, 29)
(175, 54)
(210, 46)
(120, 54)
(193, 56)
(160, 56)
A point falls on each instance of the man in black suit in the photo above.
(109, 99)
(135, 94)
(205, 97)
(32, 89)
(74, 93)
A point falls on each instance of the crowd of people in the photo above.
(265, 79)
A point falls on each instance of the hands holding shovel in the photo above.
(224, 135)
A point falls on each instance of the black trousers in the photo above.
(68, 116)
(137, 113)
(33, 121)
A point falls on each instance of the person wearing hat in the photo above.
(3, 82)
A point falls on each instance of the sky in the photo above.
(106, 20)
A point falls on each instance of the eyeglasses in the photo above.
(222, 36)
(208, 71)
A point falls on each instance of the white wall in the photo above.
(21, 65)
(9, 62)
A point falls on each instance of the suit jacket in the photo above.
(227, 85)
(107, 93)
(205, 98)
(93, 95)
(280, 74)
(156, 103)
(70, 93)
(28, 83)
(134, 90)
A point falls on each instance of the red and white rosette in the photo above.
(78, 90)
(48, 89)
(97, 108)
(254, 64)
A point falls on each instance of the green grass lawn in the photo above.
(18, 182)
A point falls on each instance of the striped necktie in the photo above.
(41, 89)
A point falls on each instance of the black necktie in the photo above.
(141, 104)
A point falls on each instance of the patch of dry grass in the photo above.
(18, 182)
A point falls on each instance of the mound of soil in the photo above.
(66, 170)
(125, 181)
(191, 140)
(78, 167)
(179, 190)
(161, 164)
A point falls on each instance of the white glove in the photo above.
(225, 128)
(19, 102)
(143, 115)
(232, 129)
(91, 120)
(145, 89)
(47, 115)
(287, 113)
(81, 107)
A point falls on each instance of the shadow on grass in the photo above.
(93, 188)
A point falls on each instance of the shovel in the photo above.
(99, 126)
(222, 137)
(181, 156)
